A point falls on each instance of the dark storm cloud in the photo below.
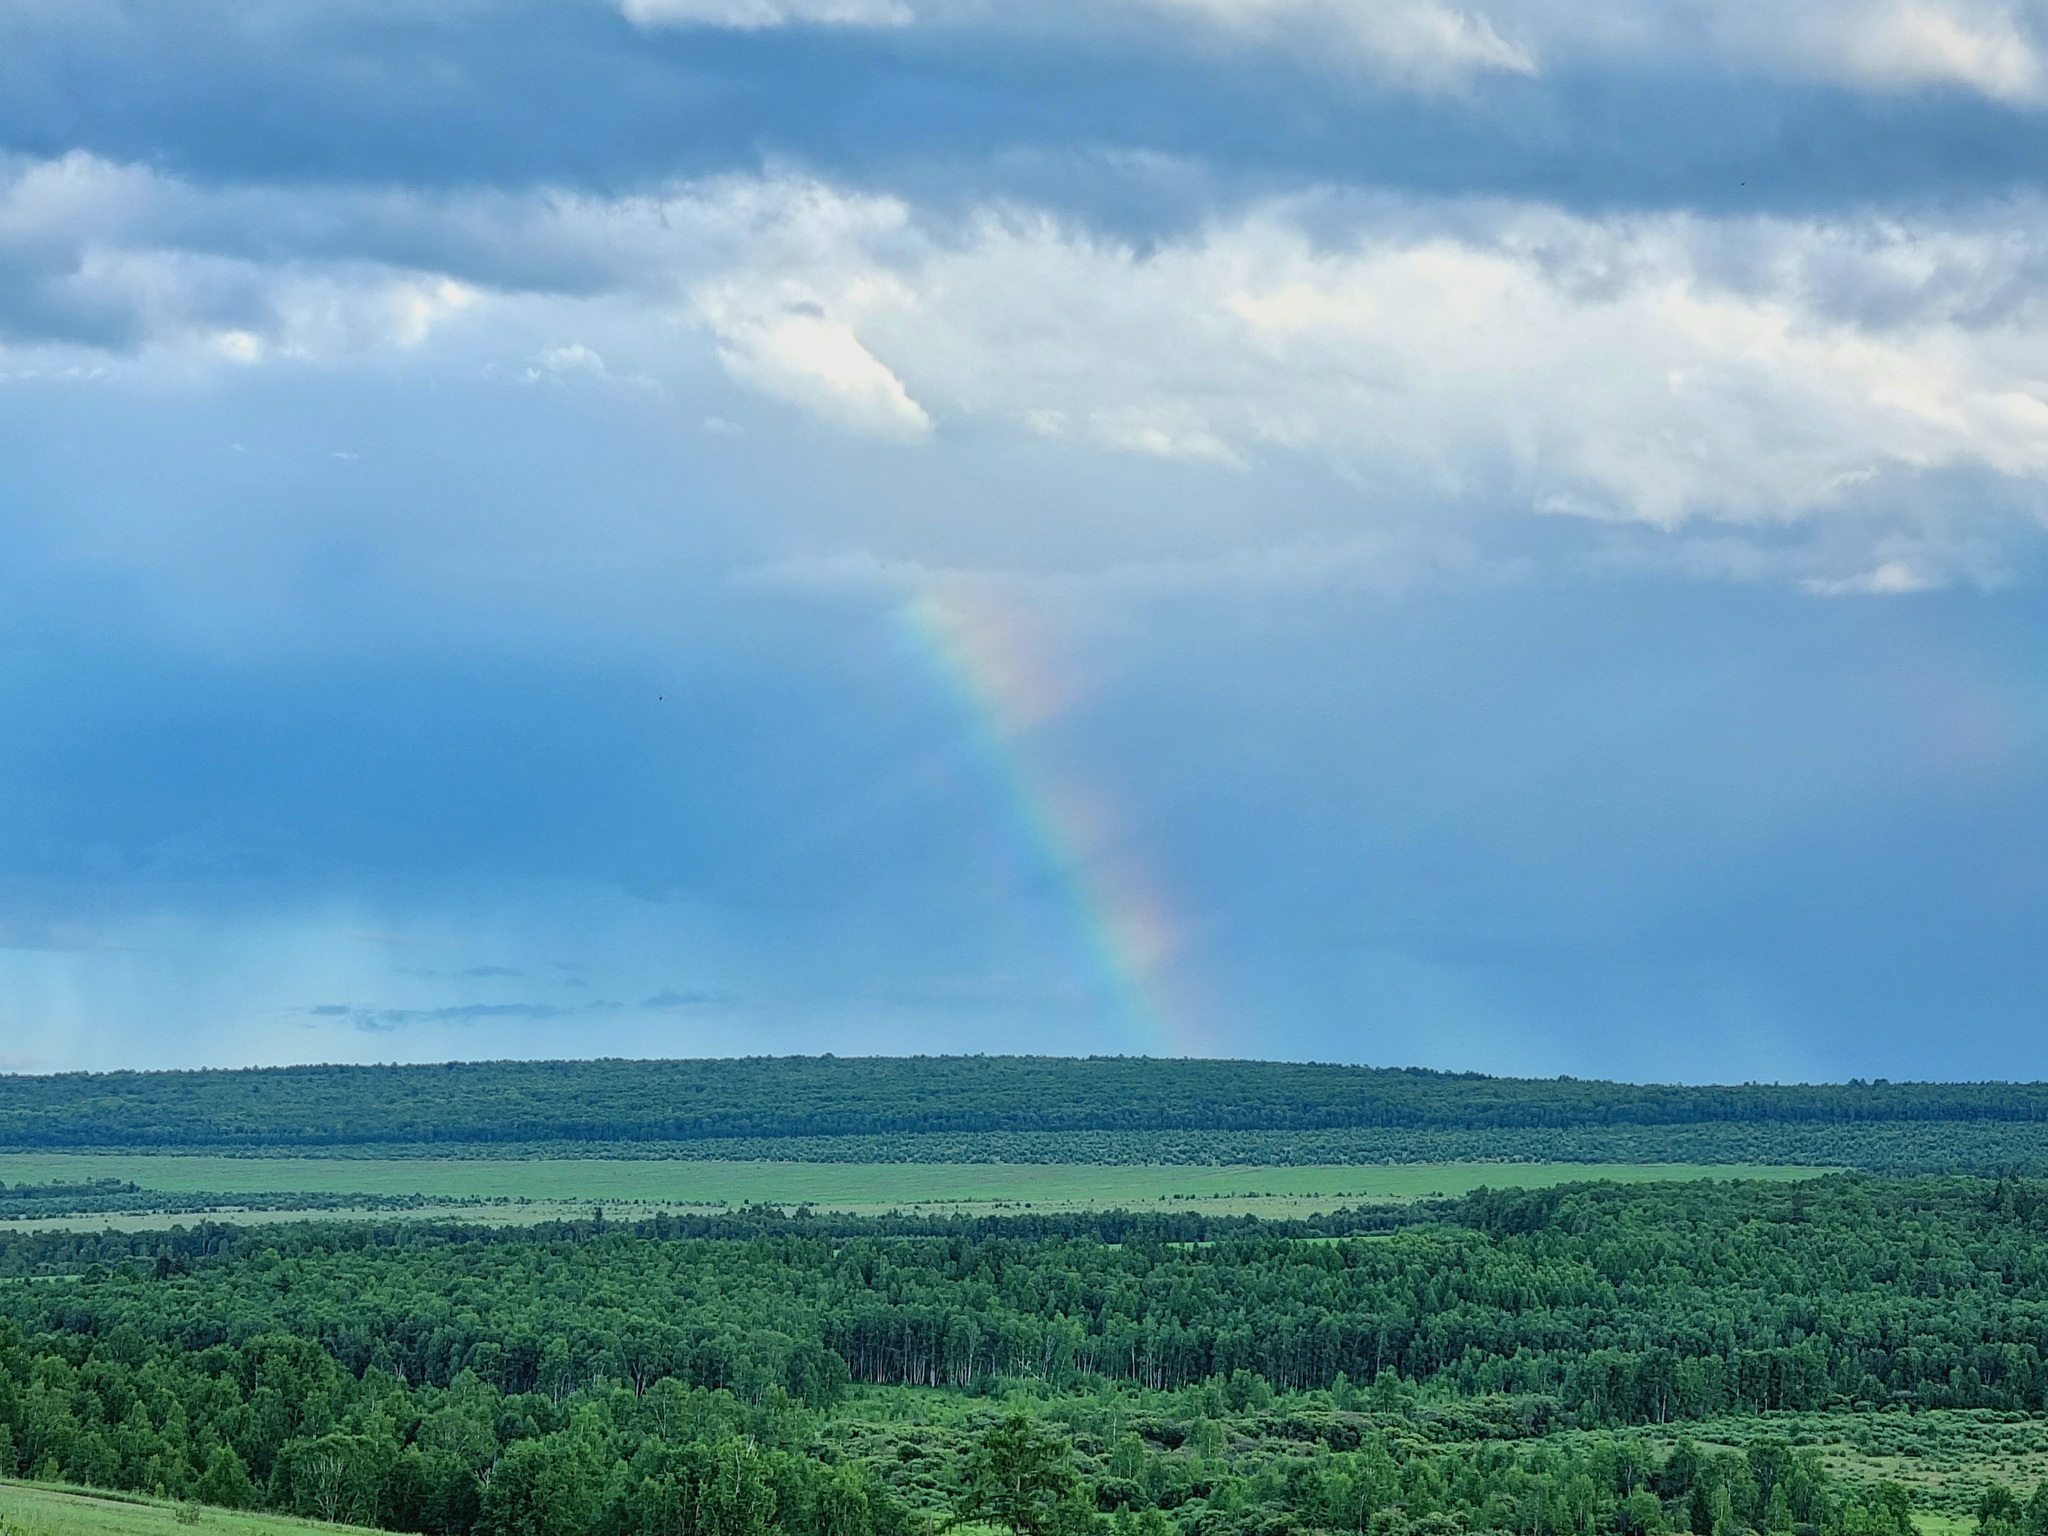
(964, 106)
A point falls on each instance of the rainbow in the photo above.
(983, 653)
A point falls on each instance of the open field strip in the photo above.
(41, 1509)
(541, 1189)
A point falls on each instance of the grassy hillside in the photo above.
(32, 1509)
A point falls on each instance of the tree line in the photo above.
(122, 1197)
(1881, 1146)
(1618, 1304)
(572, 1102)
(275, 1422)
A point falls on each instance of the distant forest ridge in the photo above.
(506, 1102)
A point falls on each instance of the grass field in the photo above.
(42, 1510)
(542, 1188)
(1945, 1457)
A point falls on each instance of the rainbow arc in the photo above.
(990, 663)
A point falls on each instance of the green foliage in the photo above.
(1999, 1512)
(225, 1482)
(737, 1499)
(1615, 1304)
(546, 1486)
(1021, 1476)
(1599, 1360)
(123, 1197)
(336, 1477)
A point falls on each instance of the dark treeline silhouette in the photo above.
(60, 1252)
(624, 1102)
(120, 1197)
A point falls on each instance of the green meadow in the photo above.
(43, 1510)
(542, 1187)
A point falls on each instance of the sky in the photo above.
(1442, 532)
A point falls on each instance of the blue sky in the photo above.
(1462, 534)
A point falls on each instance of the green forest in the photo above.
(623, 1102)
(1861, 1350)
(1585, 1359)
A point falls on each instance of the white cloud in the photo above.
(1652, 370)
(1625, 368)
(1985, 46)
(755, 15)
(110, 257)
(1980, 47)
(1421, 41)
(1891, 579)
(1991, 47)
(1166, 431)
(573, 358)
(815, 362)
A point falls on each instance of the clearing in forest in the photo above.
(545, 1188)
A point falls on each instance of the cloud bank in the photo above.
(1984, 47)
(1650, 368)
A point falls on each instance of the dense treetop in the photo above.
(1566, 1362)
(1611, 1303)
(496, 1103)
